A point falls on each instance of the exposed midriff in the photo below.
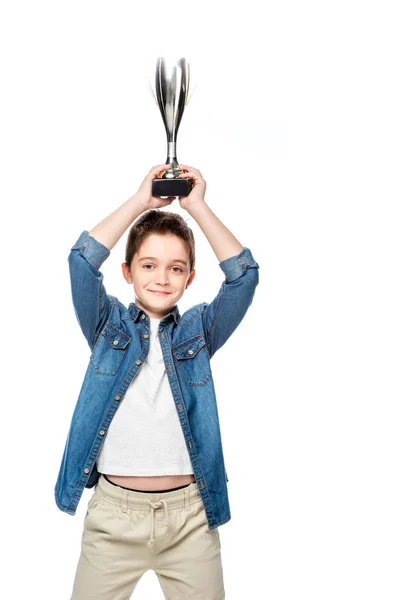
(153, 482)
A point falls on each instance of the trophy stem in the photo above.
(171, 158)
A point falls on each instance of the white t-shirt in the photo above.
(145, 436)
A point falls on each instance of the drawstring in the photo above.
(153, 506)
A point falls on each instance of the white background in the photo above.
(294, 124)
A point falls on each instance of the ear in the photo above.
(191, 277)
(126, 273)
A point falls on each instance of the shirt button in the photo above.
(180, 406)
(162, 335)
(86, 470)
(143, 316)
(116, 342)
(117, 398)
(190, 351)
(137, 362)
(145, 335)
(170, 367)
(101, 432)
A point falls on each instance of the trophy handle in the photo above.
(190, 94)
(151, 89)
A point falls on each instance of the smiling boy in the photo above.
(145, 430)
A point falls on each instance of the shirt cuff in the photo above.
(93, 250)
(235, 266)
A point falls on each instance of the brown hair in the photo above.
(161, 222)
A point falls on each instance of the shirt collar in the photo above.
(137, 313)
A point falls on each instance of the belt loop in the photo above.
(124, 501)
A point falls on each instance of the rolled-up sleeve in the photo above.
(93, 250)
(235, 266)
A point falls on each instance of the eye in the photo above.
(148, 265)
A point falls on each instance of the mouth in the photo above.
(159, 293)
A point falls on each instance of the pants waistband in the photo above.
(148, 502)
(128, 498)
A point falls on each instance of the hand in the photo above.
(198, 189)
(144, 191)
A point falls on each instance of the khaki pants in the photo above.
(127, 533)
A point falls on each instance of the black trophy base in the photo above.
(172, 187)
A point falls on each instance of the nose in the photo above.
(162, 280)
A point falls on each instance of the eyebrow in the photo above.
(177, 260)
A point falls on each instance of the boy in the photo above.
(145, 430)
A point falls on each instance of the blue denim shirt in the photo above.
(118, 338)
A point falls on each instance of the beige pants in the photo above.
(127, 533)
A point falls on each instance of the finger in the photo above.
(189, 174)
(158, 168)
(188, 167)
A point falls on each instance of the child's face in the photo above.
(166, 271)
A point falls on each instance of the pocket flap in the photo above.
(189, 348)
(116, 338)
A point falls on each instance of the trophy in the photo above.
(172, 87)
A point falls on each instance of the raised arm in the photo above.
(222, 316)
(92, 248)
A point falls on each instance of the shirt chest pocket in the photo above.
(109, 350)
(192, 360)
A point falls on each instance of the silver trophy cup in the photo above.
(172, 87)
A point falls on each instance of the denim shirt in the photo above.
(118, 338)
